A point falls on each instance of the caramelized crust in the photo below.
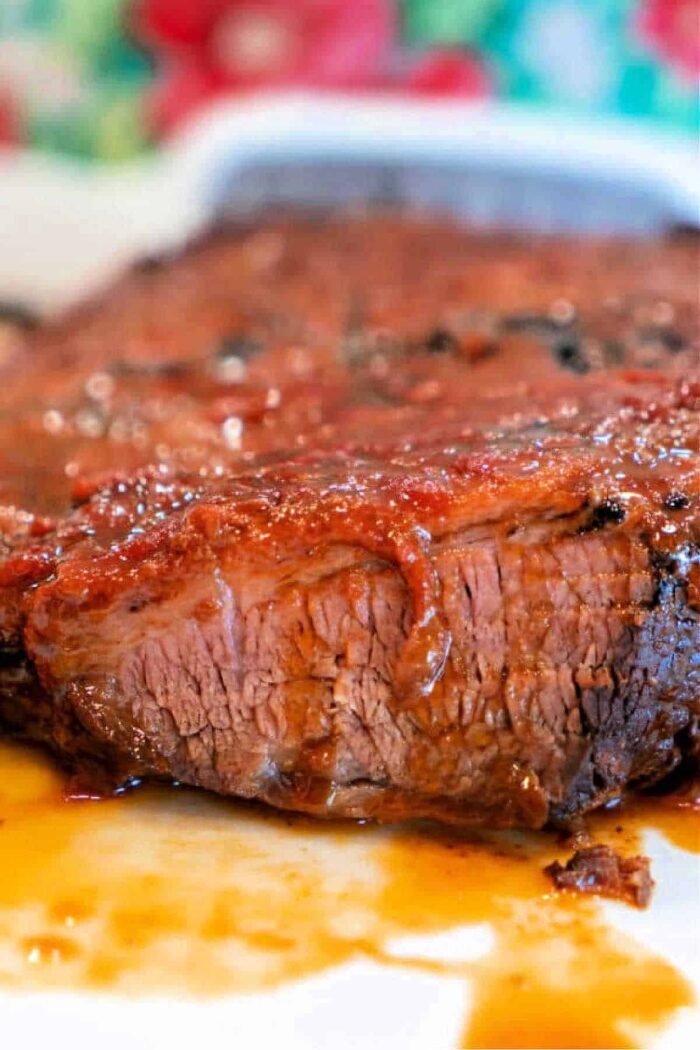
(370, 517)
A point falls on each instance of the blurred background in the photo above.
(540, 101)
(111, 79)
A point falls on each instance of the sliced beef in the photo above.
(319, 556)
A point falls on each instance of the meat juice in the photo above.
(168, 891)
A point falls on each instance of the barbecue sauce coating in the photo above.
(368, 390)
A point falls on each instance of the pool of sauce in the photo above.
(171, 891)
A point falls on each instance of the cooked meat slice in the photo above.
(400, 559)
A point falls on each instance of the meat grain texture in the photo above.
(363, 517)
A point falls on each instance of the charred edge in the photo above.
(569, 354)
(671, 582)
(609, 512)
(561, 336)
(664, 567)
(676, 501)
(687, 770)
(441, 341)
(11, 658)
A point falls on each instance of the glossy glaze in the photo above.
(378, 402)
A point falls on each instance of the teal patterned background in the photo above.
(110, 78)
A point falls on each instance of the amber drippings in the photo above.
(169, 890)
(676, 816)
(554, 956)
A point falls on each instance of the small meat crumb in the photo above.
(600, 870)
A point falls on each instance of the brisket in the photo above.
(369, 518)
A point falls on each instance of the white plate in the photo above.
(357, 1006)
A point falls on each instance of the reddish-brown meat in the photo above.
(603, 872)
(372, 518)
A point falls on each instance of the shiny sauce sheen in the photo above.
(170, 891)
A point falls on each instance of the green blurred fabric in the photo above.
(74, 78)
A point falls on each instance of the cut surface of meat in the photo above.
(369, 517)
